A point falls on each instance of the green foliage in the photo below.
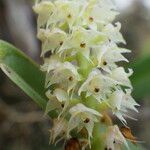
(24, 72)
(135, 146)
(141, 77)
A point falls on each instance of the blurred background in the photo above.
(22, 124)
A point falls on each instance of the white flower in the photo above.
(108, 55)
(58, 129)
(82, 116)
(51, 39)
(98, 12)
(82, 40)
(129, 102)
(58, 100)
(44, 9)
(113, 32)
(97, 85)
(121, 102)
(121, 76)
(114, 139)
(51, 63)
(66, 13)
(65, 75)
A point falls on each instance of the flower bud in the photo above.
(73, 144)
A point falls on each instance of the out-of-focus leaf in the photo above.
(134, 147)
(141, 77)
(24, 72)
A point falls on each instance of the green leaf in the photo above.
(135, 146)
(141, 77)
(24, 72)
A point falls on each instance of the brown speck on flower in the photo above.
(69, 16)
(62, 105)
(61, 43)
(104, 63)
(96, 90)
(48, 54)
(91, 19)
(70, 78)
(73, 144)
(105, 148)
(87, 120)
(87, 28)
(82, 45)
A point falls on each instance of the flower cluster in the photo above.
(80, 51)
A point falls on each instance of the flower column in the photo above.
(83, 81)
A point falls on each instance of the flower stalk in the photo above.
(83, 81)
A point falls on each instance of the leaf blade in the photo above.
(23, 72)
(141, 77)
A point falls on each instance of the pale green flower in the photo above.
(65, 12)
(114, 139)
(82, 116)
(121, 76)
(82, 40)
(121, 102)
(99, 12)
(113, 32)
(51, 39)
(58, 100)
(97, 85)
(58, 130)
(44, 9)
(108, 55)
(51, 63)
(65, 75)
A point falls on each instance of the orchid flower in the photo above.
(114, 139)
(121, 102)
(82, 116)
(97, 85)
(83, 77)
